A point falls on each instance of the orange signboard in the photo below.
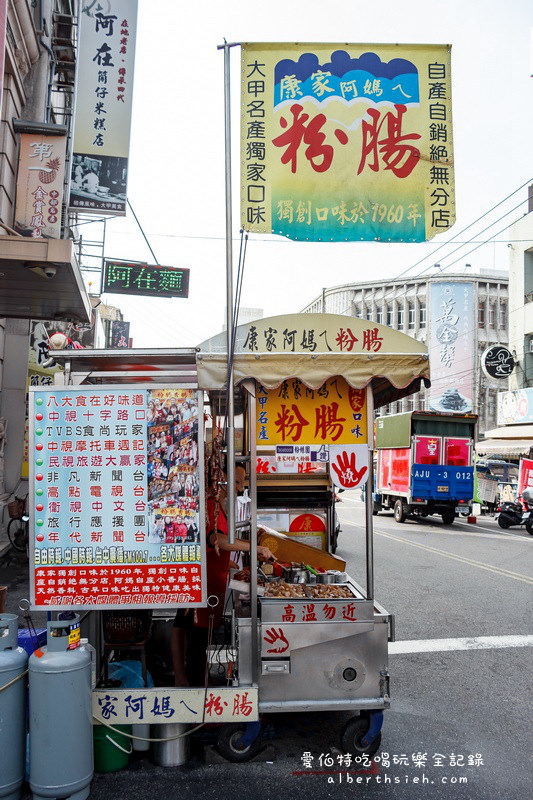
(294, 414)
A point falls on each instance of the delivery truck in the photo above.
(424, 464)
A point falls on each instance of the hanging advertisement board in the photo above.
(138, 278)
(102, 121)
(40, 179)
(117, 497)
(451, 346)
(347, 142)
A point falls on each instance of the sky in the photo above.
(176, 182)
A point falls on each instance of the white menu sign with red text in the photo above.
(116, 512)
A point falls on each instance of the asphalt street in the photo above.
(468, 700)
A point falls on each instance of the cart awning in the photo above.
(504, 447)
(315, 347)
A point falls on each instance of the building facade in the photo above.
(39, 274)
(521, 299)
(405, 306)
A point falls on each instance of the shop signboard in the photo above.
(134, 277)
(347, 142)
(451, 347)
(525, 475)
(120, 334)
(102, 121)
(40, 179)
(515, 407)
(117, 497)
(497, 362)
(293, 414)
(161, 705)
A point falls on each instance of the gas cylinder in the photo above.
(61, 733)
(13, 662)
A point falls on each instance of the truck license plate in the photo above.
(442, 489)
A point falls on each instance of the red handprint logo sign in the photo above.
(349, 465)
(277, 640)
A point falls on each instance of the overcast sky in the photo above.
(176, 178)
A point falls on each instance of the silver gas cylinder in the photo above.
(61, 731)
(13, 665)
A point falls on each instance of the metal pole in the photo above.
(230, 411)
(253, 530)
(368, 495)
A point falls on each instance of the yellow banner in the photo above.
(293, 414)
(347, 142)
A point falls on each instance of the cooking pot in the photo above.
(330, 576)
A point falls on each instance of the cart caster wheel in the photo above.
(353, 732)
(230, 746)
(399, 511)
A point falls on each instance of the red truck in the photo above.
(424, 464)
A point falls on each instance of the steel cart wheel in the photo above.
(448, 517)
(17, 532)
(399, 512)
(353, 732)
(230, 746)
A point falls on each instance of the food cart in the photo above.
(295, 646)
(312, 647)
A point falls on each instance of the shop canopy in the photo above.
(315, 347)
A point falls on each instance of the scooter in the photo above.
(509, 514)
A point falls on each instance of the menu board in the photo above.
(116, 517)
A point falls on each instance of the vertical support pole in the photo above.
(230, 411)
(252, 450)
(368, 495)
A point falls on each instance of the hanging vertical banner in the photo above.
(116, 478)
(41, 174)
(104, 90)
(3, 20)
(451, 346)
(347, 142)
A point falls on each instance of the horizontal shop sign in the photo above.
(162, 705)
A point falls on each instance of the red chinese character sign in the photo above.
(117, 498)
(347, 142)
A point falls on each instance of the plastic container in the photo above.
(142, 729)
(111, 748)
(28, 642)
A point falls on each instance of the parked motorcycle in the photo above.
(509, 514)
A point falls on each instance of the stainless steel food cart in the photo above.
(307, 654)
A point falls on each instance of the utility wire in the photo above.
(451, 241)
